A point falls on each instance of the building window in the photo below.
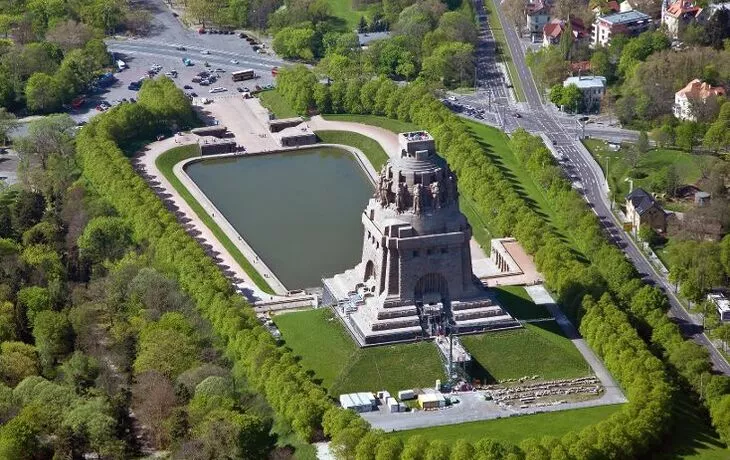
(415, 254)
(429, 252)
(444, 250)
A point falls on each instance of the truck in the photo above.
(121, 65)
(187, 61)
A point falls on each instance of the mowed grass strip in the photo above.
(165, 163)
(537, 349)
(395, 126)
(318, 338)
(275, 102)
(516, 429)
(325, 348)
(372, 150)
(519, 304)
(391, 367)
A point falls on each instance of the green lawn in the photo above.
(273, 101)
(325, 348)
(516, 429)
(495, 144)
(537, 349)
(518, 302)
(165, 163)
(688, 166)
(692, 437)
(396, 126)
(343, 9)
(503, 51)
(372, 150)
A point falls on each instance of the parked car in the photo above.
(219, 70)
(205, 52)
(201, 30)
(516, 115)
(187, 87)
(234, 61)
(217, 89)
(204, 83)
(181, 48)
(242, 35)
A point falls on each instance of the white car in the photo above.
(234, 61)
(217, 89)
(205, 52)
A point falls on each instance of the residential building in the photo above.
(592, 88)
(643, 209)
(580, 68)
(630, 23)
(678, 15)
(722, 304)
(538, 14)
(553, 31)
(696, 91)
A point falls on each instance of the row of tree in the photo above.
(646, 305)
(497, 200)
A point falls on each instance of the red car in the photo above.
(201, 30)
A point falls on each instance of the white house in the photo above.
(629, 23)
(695, 91)
(678, 14)
(592, 88)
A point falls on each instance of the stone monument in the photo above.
(415, 279)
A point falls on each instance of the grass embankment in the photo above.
(372, 150)
(516, 429)
(273, 101)
(503, 51)
(343, 9)
(537, 349)
(165, 163)
(688, 166)
(518, 302)
(395, 126)
(325, 348)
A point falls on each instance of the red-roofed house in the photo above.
(676, 16)
(580, 68)
(695, 91)
(554, 29)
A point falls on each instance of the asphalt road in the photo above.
(583, 169)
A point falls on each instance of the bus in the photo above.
(241, 75)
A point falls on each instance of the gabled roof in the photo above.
(641, 200)
(697, 89)
(537, 7)
(554, 29)
(681, 8)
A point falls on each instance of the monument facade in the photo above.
(415, 278)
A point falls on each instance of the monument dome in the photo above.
(415, 278)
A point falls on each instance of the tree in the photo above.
(362, 26)
(294, 43)
(27, 210)
(42, 93)
(515, 12)
(17, 361)
(8, 123)
(687, 134)
(462, 450)
(717, 136)
(53, 337)
(556, 94)
(69, 34)
(456, 26)
(664, 136)
(80, 371)
(33, 300)
(452, 64)
(105, 238)
(169, 346)
(601, 64)
(642, 145)
(571, 98)
(228, 434)
(46, 136)
(153, 399)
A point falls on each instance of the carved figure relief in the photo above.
(401, 193)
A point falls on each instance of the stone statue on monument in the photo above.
(401, 193)
(417, 199)
(436, 193)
